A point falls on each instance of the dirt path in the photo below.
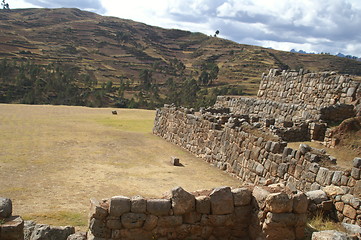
(53, 159)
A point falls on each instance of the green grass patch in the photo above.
(60, 218)
(128, 125)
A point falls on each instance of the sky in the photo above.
(329, 26)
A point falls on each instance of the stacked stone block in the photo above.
(225, 213)
(313, 89)
(298, 96)
(249, 157)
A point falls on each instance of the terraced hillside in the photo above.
(113, 49)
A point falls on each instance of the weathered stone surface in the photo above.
(279, 203)
(336, 179)
(138, 204)
(218, 220)
(192, 217)
(133, 220)
(159, 207)
(281, 219)
(317, 196)
(333, 190)
(174, 161)
(300, 203)
(6, 207)
(339, 206)
(260, 195)
(96, 227)
(97, 211)
(203, 204)
(321, 177)
(222, 201)
(349, 211)
(243, 214)
(170, 221)
(329, 235)
(114, 223)
(241, 196)
(46, 232)
(352, 229)
(150, 222)
(28, 229)
(12, 229)
(119, 205)
(182, 201)
(77, 236)
(357, 162)
(355, 173)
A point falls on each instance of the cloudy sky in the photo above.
(311, 25)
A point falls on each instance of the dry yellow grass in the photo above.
(53, 159)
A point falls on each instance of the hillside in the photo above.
(117, 50)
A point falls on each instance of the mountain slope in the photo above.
(113, 49)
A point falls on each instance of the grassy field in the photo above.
(53, 159)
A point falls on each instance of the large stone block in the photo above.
(243, 214)
(114, 223)
(138, 204)
(321, 177)
(218, 220)
(119, 205)
(159, 207)
(150, 222)
(349, 211)
(329, 235)
(317, 196)
(357, 162)
(133, 220)
(279, 203)
(300, 203)
(222, 201)
(97, 211)
(170, 221)
(241, 196)
(6, 207)
(12, 229)
(182, 201)
(98, 228)
(203, 204)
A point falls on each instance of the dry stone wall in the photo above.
(312, 89)
(298, 96)
(252, 158)
(223, 213)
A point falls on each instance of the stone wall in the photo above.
(249, 157)
(223, 213)
(293, 96)
(312, 89)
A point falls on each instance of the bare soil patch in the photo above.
(53, 159)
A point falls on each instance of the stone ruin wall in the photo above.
(223, 213)
(254, 159)
(298, 96)
(312, 89)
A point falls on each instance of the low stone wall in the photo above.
(282, 112)
(219, 214)
(249, 157)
